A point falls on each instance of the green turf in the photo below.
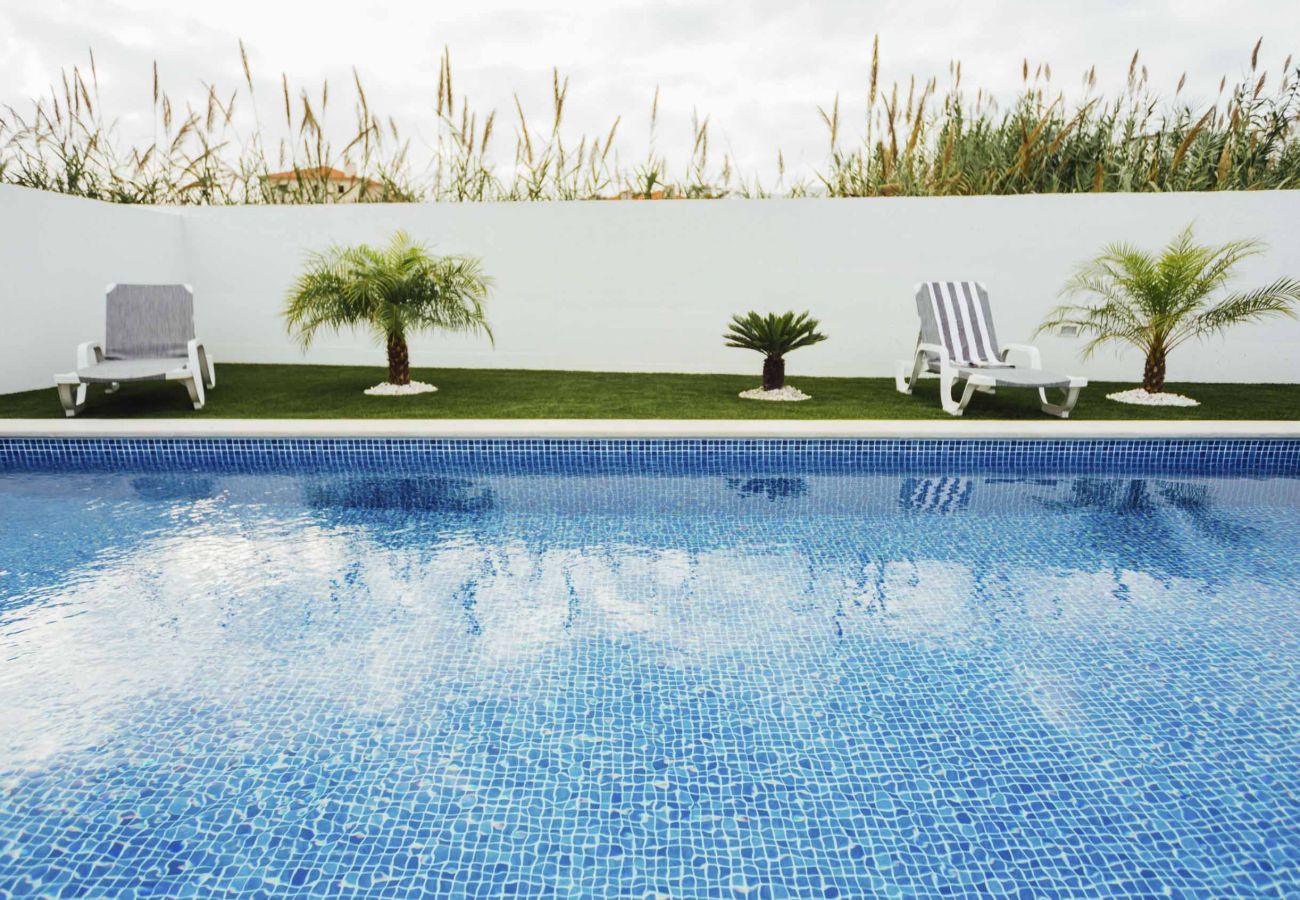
(334, 392)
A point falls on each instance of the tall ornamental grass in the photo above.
(913, 140)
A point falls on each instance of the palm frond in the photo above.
(1275, 299)
(392, 290)
(1157, 302)
(320, 298)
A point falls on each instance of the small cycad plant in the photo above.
(773, 336)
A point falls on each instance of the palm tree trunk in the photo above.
(1153, 376)
(773, 373)
(399, 360)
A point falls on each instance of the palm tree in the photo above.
(393, 290)
(1156, 303)
(774, 336)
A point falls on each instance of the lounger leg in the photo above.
(209, 370)
(112, 387)
(194, 384)
(903, 382)
(971, 388)
(72, 400)
(947, 382)
(1061, 410)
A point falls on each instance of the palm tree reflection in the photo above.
(1138, 524)
(410, 493)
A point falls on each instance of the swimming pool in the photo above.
(688, 669)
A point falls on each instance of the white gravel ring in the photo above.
(1141, 397)
(400, 390)
(786, 394)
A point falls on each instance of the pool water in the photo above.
(640, 682)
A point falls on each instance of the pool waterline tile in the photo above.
(1262, 456)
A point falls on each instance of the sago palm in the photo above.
(392, 290)
(773, 336)
(1159, 302)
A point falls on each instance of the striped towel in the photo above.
(934, 495)
(964, 322)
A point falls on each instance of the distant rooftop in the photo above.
(320, 173)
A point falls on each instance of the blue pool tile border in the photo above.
(1228, 456)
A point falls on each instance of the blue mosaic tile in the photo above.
(649, 668)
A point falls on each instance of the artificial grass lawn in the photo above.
(334, 392)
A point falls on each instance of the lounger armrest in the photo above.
(201, 363)
(937, 349)
(89, 353)
(1035, 358)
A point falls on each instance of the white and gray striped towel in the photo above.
(964, 322)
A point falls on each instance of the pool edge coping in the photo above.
(616, 429)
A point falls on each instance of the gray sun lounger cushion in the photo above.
(148, 321)
(1009, 376)
(117, 370)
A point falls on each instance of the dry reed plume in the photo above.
(913, 141)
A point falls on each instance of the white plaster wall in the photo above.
(649, 286)
(57, 254)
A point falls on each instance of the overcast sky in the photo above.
(758, 68)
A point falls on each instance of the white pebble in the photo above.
(787, 393)
(1141, 397)
(400, 390)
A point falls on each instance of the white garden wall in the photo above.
(643, 286)
(57, 254)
